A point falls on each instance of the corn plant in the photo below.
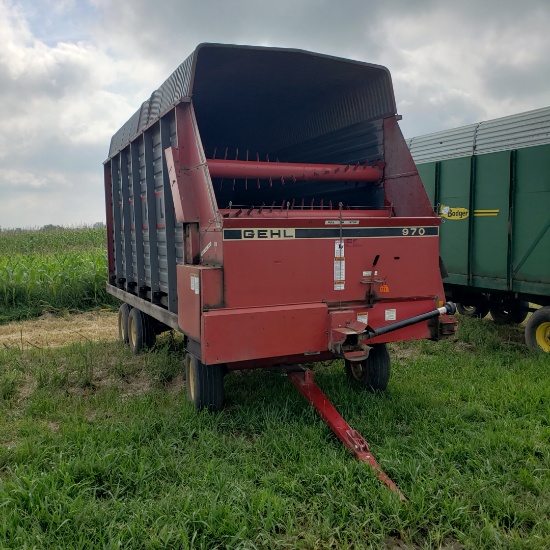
(52, 270)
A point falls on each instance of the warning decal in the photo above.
(339, 265)
(363, 317)
(390, 315)
(195, 284)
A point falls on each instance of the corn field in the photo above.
(52, 270)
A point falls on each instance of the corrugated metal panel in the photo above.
(267, 98)
(172, 90)
(443, 145)
(514, 132)
(357, 143)
(362, 142)
(143, 116)
(177, 85)
(148, 241)
(502, 134)
(126, 133)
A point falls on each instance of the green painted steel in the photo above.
(454, 195)
(490, 229)
(495, 232)
(428, 174)
(531, 217)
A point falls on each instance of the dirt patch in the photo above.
(176, 385)
(394, 543)
(53, 331)
(401, 353)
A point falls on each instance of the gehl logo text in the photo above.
(274, 233)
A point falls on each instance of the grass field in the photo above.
(99, 449)
(52, 270)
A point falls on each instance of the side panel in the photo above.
(302, 331)
(531, 237)
(455, 195)
(258, 333)
(109, 217)
(403, 187)
(490, 223)
(506, 246)
(147, 242)
(189, 300)
(311, 267)
(200, 288)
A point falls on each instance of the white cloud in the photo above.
(72, 72)
(463, 62)
(60, 107)
(22, 182)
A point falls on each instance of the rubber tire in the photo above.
(478, 312)
(503, 312)
(373, 373)
(204, 384)
(150, 332)
(477, 306)
(538, 325)
(141, 335)
(123, 313)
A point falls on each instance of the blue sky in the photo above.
(73, 71)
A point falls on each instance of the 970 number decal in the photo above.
(413, 231)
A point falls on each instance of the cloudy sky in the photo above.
(73, 71)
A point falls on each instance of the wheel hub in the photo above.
(191, 380)
(357, 370)
(131, 331)
(543, 336)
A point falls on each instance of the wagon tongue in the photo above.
(303, 380)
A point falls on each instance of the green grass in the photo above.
(99, 449)
(52, 270)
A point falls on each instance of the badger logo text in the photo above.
(453, 213)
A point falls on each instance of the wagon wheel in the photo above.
(475, 306)
(508, 311)
(537, 331)
(204, 383)
(141, 334)
(123, 313)
(374, 372)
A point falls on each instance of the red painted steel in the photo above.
(200, 288)
(267, 214)
(403, 187)
(241, 334)
(303, 380)
(293, 171)
(237, 335)
(192, 191)
(274, 271)
(189, 301)
(272, 362)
